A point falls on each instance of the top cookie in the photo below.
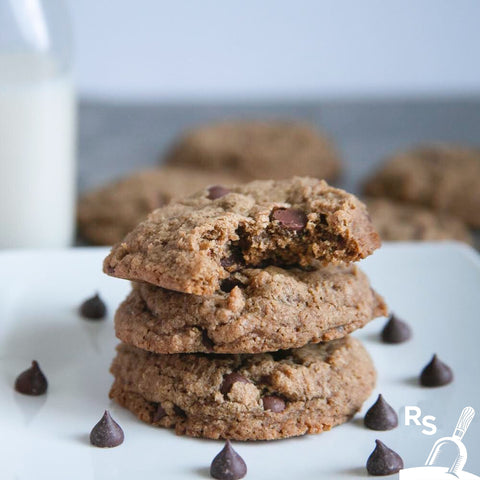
(106, 214)
(258, 150)
(396, 221)
(194, 244)
(442, 177)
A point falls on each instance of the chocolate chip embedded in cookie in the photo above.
(108, 213)
(265, 310)
(310, 390)
(396, 221)
(258, 150)
(442, 177)
(194, 244)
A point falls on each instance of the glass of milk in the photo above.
(37, 125)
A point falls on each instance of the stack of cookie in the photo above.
(243, 298)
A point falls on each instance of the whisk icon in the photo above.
(463, 423)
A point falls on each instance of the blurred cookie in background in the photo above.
(442, 177)
(105, 215)
(401, 222)
(258, 150)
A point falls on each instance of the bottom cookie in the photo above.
(245, 397)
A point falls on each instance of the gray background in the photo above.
(116, 138)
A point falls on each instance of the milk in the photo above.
(37, 153)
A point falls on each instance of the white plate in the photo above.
(435, 287)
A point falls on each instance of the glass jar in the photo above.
(37, 125)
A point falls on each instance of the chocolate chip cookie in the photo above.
(442, 177)
(255, 311)
(194, 244)
(396, 221)
(257, 150)
(245, 397)
(106, 214)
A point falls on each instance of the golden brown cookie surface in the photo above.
(194, 244)
(256, 311)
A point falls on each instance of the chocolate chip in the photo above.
(107, 433)
(381, 416)
(436, 374)
(179, 411)
(217, 191)
(228, 464)
(207, 341)
(396, 331)
(273, 403)
(234, 260)
(93, 308)
(290, 218)
(229, 284)
(228, 262)
(265, 379)
(159, 413)
(281, 355)
(230, 379)
(32, 381)
(383, 461)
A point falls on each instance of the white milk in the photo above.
(37, 153)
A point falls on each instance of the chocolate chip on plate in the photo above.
(381, 416)
(396, 331)
(228, 464)
(273, 403)
(32, 381)
(93, 308)
(436, 374)
(383, 461)
(107, 433)
(217, 191)
(290, 218)
(230, 379)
